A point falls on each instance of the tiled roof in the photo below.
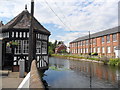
(1, 24)
(98, 34)
(22, 21)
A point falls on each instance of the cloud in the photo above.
(77, 15)
(69, 37)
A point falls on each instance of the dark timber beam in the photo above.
(31, 34)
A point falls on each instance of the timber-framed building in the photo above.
(17, 31)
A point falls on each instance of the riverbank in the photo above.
(77, 58)
(103, 60)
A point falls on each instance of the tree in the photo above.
(60, 42)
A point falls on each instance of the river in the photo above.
(63, 73)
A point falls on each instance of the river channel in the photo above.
(63, 73)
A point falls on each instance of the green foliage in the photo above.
(63, 51)
(97, 59)
(60, 42)
(114, 62)
(52, 46)
(94, 54)
(57, 69)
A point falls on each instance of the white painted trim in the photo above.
(25, 82)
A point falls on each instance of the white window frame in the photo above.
(103, 49)
(108, 49)
(98, 50)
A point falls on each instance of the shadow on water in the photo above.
(64, 73)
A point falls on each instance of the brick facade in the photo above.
(60, 48)
(103, 45)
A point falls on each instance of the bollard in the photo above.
(22, 69)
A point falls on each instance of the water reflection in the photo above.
(80, 74)
(99, 71)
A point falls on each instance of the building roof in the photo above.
(98, 34)
(1, 24)
(61, 45)
(22, 21)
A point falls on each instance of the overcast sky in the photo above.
(76, 17)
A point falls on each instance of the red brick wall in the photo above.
(99, 44)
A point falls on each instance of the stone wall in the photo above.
(35, 78)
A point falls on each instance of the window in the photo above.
(90, 50)
(20, 34)
(22, 44)
(98, 49)
(80, 44)
(83, 43)
(6, 35)
(24, 35)
(18, 48)
(12, 34)
(94, 41)
(108, 50)
(94, 50)
(44, 47)
(27, 34)
(114, 47)
(87, 42)
(16, 34)
(103, 50)
(103, 40)
(79, 50)
(74, 50)
(38, 47)
(25, 46)
(83, 50)
(75, 44)
(114, 37)
(108, 38)
(86, 50)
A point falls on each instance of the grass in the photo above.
(105, 60)
(114, 62)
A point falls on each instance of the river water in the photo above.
(63, 73)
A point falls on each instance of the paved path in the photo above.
(10, 79)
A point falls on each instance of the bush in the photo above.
(114, 62)
(50, 52)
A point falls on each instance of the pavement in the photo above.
(10, 79)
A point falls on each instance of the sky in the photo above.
(66, 19)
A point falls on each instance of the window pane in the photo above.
(38, 47)
(114, 37)
(108, 38)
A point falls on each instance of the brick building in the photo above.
(103, 42)
(60, 47)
